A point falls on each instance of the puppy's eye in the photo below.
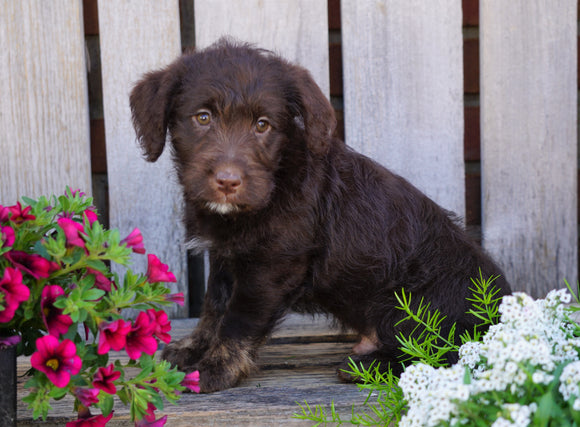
(203, 118)
(262, 125)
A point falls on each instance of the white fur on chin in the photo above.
(222, 208)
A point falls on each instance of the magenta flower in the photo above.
(58, 360)
(4, 214)
(7, 236)
(90, 216)
(191, 381)
(35, 265)
(104, 378)
(149, 418)
(56, 322)
(101, 281)
(96, 421)
(87, 396)
(14, 292)
(157, 271)
(79, 192)
(113, 335)
(178, 298)
(19, 215)
(150, 421)
(6, 342)
(135, 241)
(140, 339)
(162, 325)
(73, 232)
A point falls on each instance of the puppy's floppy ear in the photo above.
(316, 111)
(151, 101)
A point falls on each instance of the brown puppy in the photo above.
(292, 217)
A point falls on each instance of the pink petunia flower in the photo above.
(6, 342)
(157, 271)
(35, 265)
(7, 236)
(56, 322)
(14, 292)
(135, 241)
(105, 377)
(149, 419)
(191, 381)
(162, 325)
(113, 335)
(87, 396)
(58, 360)
(19, 215)
(177, 298)
(95, 421)
(4, 214)
(79, 192)
(90, 216)
(140, 339)
(101, 281)
(73, 232)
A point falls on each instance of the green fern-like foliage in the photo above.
(385, 404)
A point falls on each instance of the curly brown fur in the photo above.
(292, 217)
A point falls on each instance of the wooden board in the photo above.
(44, 119)
(529, 140)
(290, 372)
(137, 37)
(296, 29)
(403, 91)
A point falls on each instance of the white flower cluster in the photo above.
(570, 384)
(518, 415)
(430, 393)
(532, 339)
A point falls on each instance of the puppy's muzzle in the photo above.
(228, 180)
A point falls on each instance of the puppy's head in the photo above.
(233, 113)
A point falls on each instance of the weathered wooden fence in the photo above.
(403, 105)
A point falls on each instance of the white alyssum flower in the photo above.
(517, 415)
(431, 393)
(531, 341)
(570, 383)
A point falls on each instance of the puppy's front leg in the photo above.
(258, 302)
(187, 352)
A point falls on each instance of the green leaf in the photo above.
(546, 408)
(106, 403)
(97, 264)
(93, 294)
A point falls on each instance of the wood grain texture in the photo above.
(44, 119)
(296, 29)
(529, 140)
(137, 37)
(403, 91)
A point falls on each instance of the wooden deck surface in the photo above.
(297, 364)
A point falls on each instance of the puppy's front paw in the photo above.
(185, 353)
(223, 366)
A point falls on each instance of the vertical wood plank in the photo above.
(296, 29)
(137, 37)
(44, 121)
(403, 91)
(529, 140)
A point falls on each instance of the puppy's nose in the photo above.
(228, 181)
